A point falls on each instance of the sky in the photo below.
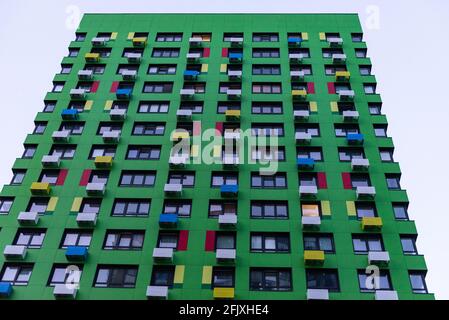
(406, 41)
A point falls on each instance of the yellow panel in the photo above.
(204, 68)
(350, 206)
(334, 106)
(51, 206)
(313, 106)
(322, 36)
(195, 151)
(232, 113)
(103, 161)
(130, 35)
(207, 275)
(40, 188)
(76, 205)
(313, 256)
(108, 105)
(299, 92)
(88, 105)
(310, 210)
(371, 223)
(179, 275)
(217, 151)
(180, 135)
(205, 37)
(305, 36)
(223, 68)
(114, 35)
(224, 293)
(325, 208)
(92, 56)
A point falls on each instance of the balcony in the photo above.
(117, 114)
(227, 220)
(28, 218)
(225, 255)
(236, 42)
(124, 94)
(355, 138)
(372, 223)
(187, 94)
(366, 192)
(232, 115)
(297, 75)
(193, 57)
(184, 115)
(111, 136)
(15, 252)
(172, 189)
(104, 162)
(157, 292)
(51, 161)
(346, 95)
(99, 42)
(163, 255)
(76, 253)
(61, 136)
(234, 94)
(191, 74)
(343, 76)
(5, 289)
(134, 57)
(40, 189)
(195, 42)
(301, 115)
(140, 42)
(229, 190)
(311, 222)
(235, 57)
(338, 58)
(386, 295)
(129, 75)
(303, 138)
(300, 95)
(317, 294)
(95, 189)
(78, 94)
(305, 163)
(64, 291)
(295, 58)
(92, 57)
(235, 75)
(294, 42)
(168, 220)
(335, 42)
(314, 257)
(350, 116)
(86, 219)
(85, 74)
(69, 114)
(308, 191)
(359, 164)
(224, 293)
(380, 258)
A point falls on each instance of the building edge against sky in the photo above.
(95, 191)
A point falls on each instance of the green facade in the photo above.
(336, 222)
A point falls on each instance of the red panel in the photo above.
(331, 87)
(310, 87)
(183, 240)
(219, 129)
(95, 86)
(114, 86)
(85, 177)
(322, 181)
(346, 180)
(61, 178)
(224, 52)
(206, 52)
(196, 128)
(210, 241)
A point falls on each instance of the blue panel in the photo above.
(229, 188)
(69, 113)
(355, 137)
(294, 40)
(76, 253)
(168, 219)
(124, 93)
(238, 56)
(191, 73)
(305, 162)
(5, 289)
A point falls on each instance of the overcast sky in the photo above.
(407, 43)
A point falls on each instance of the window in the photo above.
(66, 68)
(158, 87)
(269, 209)
(360, 53)
(278, 180)
(225, 86)
(328, 53)
(315, 153)
(38, 205)
(62, 274)
(348, 154)
(270, 242)
(268, 153)
(168, 240)
(305, 68)
(265, 37)
(270, 279)
(5, 204)
(77, 105)
(73, 52)
(16, 274)
(322, 279)
(74, 128)
(374, 108)
(365, 209)
(221, 207)
(342, 86)
(108, 127)
(269, 88)
(168, 37)
(312, 129)
(39, 127)
(89, 205)
(393, 181)
(330, 70)
(153, 107)
(198, 87)
(137, 179)
(223, 277)
(380, 130)
(187, 179)
(165, 53)
(76, 237)
(265, 53)
(194, 106)
(63, 151)
(267, 129)
(360, 180)
(80, 37)
(266, 69)
(222, 178)
(124, 240)
(400, 211)
(148, 129)
(126, 67)
(310, 209)
(49, 176)
(223, 106)
(30, 238)
(386, 154)
(162, 69)
(323, 242)
(95, 68)
(131, 208)
(266, 107)
(163, 276)
(357, 37)
(143, 152)
(308, 180)
(228, 36)
(366, 243)
(102, 151)
(370, 284)
(225, 240)
(116, 277)
(129, 51)
(58, 86)
(103, 52)
(98, 176)
(18, 176)
(49, 106)
(370, 88)
(418, 281)
(365, 70)
(408, 243)
(204, 36)
(182, 208)
(30, 150)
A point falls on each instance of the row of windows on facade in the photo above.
(227, 36)
(261, 279)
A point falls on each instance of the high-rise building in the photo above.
(102, 206)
